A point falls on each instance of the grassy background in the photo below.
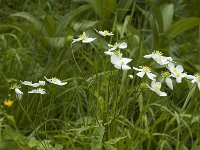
(100, 107)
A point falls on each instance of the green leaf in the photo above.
(115, 140)
(167, 10)
(178, 28)
(50, 25)
(37, 24)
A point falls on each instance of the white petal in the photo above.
(117, 66)
(76, 40)
(178, 79)
(169, 58)
(61, 83)
(140, 74)
(138, 69)
(130, 76)
(123, 45)
(171, 66)
(88, 40)
(102, 33)
(156, 84)
(179, 68)
(109, 53)
(112, 49)
(161, 93)
(168, 81)
(148, 56)
(125, 67)
(18, 91)
(153, 83)
(115, 59)
(126, 60)
(109, 45)
(190, 77)
(151, 76)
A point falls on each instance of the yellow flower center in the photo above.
(117, 53)
(8, 103)
(116, 45)
(156, 88)
(41, 89)
(15, 86)
(174, 70)
(146, 69)
(106, 32)
(166, 74)
(55, 79)
(83, 36)
(198, 76)
(157, 53)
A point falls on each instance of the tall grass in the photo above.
(100, 107)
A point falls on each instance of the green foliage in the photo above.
(100, 108)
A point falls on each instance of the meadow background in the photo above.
(100, 107)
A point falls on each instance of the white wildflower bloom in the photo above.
(122, 63)
(156, 86)
(18, 92)
(130, 76)
(29, 83)
(115, 57)
(166, 76)
(157, 56)
(40, 83)
(110, 53)
(56, 81)
(104, 33)
(84, 38)
(145, 70)
(195, 79)
(119, 62)
(122, 45)
(176, 72)
(38, 91)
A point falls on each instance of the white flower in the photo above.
(115, 56)
(122, 63)
(195, 79)
(166, 76)
(19, 93)
(84, 38)
(157, 56)
(56, 81)
(40, 83)
(38, 91)
(122, 45)
(145, 70)
(29, 83)
(119, 62)
(130, 76)
(155, 86)
(176, 72)
(104, 33)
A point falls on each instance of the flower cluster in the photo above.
(114, 51)
(37, 86)
(172, 70)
